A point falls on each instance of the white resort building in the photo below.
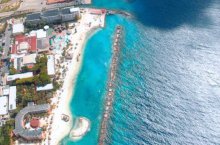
(12, 98)
(45, 88)
(50, 65)
(17, 29)
(3, 105)
(19, 76)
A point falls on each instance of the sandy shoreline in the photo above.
(58, 128)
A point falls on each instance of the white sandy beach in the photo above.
(58, 128)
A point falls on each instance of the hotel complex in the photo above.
(38, 71)
(34, 134)
(54, 16)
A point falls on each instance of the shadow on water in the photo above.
(169, 14)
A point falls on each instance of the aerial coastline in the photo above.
(59, 86)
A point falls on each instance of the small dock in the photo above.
(111, 86)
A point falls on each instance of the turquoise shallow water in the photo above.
(90, 89)
(168, 81)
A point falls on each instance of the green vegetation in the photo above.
(5, 132)
(1, 49)
(12, 70)
(3, 27)
(78, 17)
(41, 78)
(39, 25)
(56, 85)
(12, 7)
(25, 81)
(25, 69)
(4, 1)
(26, 88)
(40, 70)
(27, 93)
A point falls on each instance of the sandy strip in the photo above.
(58, 128)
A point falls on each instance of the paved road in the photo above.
(7, 38)
(38, 5)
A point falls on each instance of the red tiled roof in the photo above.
(35, 123)
(55, 1)
(97, 11)
(31, 40)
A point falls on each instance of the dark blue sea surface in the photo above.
(168, 80)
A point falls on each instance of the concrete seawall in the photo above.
(111, 86)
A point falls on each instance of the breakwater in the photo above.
(111, 86)
(119, 12)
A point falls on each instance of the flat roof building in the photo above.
(17, 29)
(29, 60)
(50, 65)
(39, 33)
(19, 76)
(72, 10)
(35, 17)
(3, 105)
(53, 16)
(45, 88)
(43, 45)
(12, 98)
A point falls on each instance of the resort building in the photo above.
(53, 16)
(3, 105)
(29, 60)
(23, 45)
(42, 40)
(45, 88)
(12, 98)
(39, 33)
(50, 65)
(19, 76)
(43, 45)
(8, 99)
(29, 134)
(17, 29)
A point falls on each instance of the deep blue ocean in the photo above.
(168, 80)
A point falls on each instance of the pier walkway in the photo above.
(111, 86)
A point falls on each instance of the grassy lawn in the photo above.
(2, 27)
(9, 8)
(4, 1)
